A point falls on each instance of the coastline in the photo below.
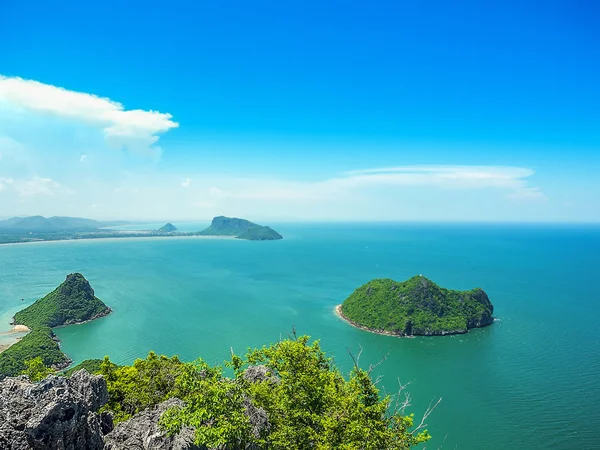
(116, 238)
(21, 330)
(338, 312)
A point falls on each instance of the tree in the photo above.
(304, 398)
(36, 370)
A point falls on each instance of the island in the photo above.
(416, 307)
(240, 229)
(72, 302)
(168, 228)
(38, 228)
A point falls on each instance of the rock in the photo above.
(56, 414)
(255, 374)
(142, 432)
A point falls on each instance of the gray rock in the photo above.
(56, 414)
(142, 432)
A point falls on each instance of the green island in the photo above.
(416, 307)
(240, 229)
(167, 228)
(70, 303)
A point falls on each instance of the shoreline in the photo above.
(116, 238)
(17, 329)
(338, 312)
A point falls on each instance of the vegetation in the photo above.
(240, 228)
(417, 306)
(168, 228)
(134, 388)
(93, 366)
(260, 234)
(40, 343)
(287, 395)
(71, 302)
(36, 370)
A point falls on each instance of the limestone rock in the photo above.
(58, 413)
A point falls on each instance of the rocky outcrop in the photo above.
(61, 413)
(142, 432)
(57, 413)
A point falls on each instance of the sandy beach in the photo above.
(142, 237)
(338, 312)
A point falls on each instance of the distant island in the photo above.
(38, 229)
(416, 307)
(72, 302)
(241, 229)
(168, 228)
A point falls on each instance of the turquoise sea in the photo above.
(529, 381)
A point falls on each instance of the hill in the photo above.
(416, 307)
(43, 224)
(240, 228)
(168, 228)
(71, 302)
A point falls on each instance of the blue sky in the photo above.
(431, 110)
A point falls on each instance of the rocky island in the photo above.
(71, 302)
(240, 229)
(416, 307)
(168, 228)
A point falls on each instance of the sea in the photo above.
(531, 380)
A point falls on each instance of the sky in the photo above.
(301, 111)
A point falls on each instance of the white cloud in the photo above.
(37, 186)
(186, 183)
(5, 182)
(82, 158)
(527, 194)
(353, 183)
(133, 129)
(216, 192)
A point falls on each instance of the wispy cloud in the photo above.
(513, 180)
(82, 158)
(186, 183)
(136, 130)
(38, 186)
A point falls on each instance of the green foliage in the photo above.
(134, 388)
(36, 370)
(240, 228)
(259, 233)
(93, 366)
(416, 307)
(71, 302)
(309, 404)
(37, 343)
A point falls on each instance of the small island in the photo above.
(416, 307)
(168, 228)
(240, 229)
(70, 303)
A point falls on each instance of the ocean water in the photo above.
(529, 381)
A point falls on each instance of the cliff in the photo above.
(416, 307)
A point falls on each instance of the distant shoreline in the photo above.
(116, 238)
(338, 312)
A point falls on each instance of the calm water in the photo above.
(528, 381)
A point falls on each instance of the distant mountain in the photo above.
(168, 228)
(53, 224)
(241, 229)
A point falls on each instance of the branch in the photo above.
(429, 410)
